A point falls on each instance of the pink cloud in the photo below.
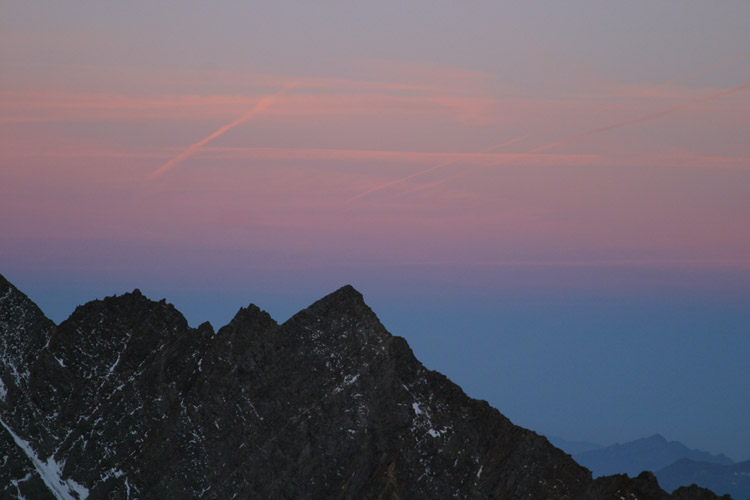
(599, 130)
(260, 107)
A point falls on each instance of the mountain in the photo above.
(123, 400)
(732, 479)
(651, 453)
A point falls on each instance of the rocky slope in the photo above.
(124, 400)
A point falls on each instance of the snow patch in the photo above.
(435, 433)
(114, 365)
(16, 482)
(3, 390)
(50, 471)
(114, 472)
(348, 380)
(417, 408)
(59, 361)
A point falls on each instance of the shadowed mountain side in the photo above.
(125, 400)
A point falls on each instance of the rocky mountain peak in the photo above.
(346, 301)
(345, 294)
(206, 327)
(340, 321)
(24, 331)
(251, 317)
(131, 309)
(18, 314)
(115, 333)
(126, 401)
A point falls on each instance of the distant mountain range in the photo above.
(673, 463)
(123, 400)
(724, 479)
(652, 453)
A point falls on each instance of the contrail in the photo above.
(259, 107)
(428, 170)
(563, 141)
(589, 133)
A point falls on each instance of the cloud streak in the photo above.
(259, 107)
(440, 165)
(596, 131)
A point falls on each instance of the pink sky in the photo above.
(649, 172)
(412, 149)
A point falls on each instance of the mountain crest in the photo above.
(127, 401)
(252, 316)
(345, 300)
(24, 332)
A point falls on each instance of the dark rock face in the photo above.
(694, 492)
(644, 485)
(124, 400)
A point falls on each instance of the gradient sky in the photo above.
(549, 200)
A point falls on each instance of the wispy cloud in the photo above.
(589, 133)
(317, 100)
(261, 106)
(433, 168)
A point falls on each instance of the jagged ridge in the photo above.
(125, 400)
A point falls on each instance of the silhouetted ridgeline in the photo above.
(125, 400)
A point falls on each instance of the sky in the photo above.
(548, 200)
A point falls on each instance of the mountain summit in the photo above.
(124, 400)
